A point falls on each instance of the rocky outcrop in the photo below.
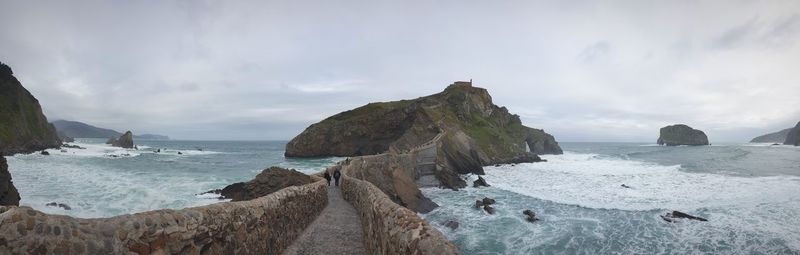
(267, 182)
(124, 141)
(393, 174)
(681, 134)
(675, 215)
(390, 228)
(463, 125)
(23, 127)
(793, 137)
(8, 193)
(266, 225)
(777, 137)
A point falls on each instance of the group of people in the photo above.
(336, 175)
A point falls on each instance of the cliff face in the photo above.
(23, 127)
(484, 133)
(793, 138)
(8, 193)
(680, 134)
(777, 137)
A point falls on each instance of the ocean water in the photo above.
(750, 193)
(103, 181)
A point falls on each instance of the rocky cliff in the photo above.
(23, 127)
(793, 137)
(124, 141)
(777, 137)
(8, 193)
(475, 130)
(681, 134)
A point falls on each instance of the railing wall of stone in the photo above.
(266, 225)
(390, 228)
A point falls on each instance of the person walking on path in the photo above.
(328, 177)
(336, 175)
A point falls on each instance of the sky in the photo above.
(264, 70)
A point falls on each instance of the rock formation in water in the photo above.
(124, 141)
(23, 127)
(777, 137)
(268, 181)
(680, 134)
(424, 142)
(8, 193)
(793, 137)
(477, 130)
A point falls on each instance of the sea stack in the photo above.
(23, 127)
(124, 141)
(793, 137)
(680, 134)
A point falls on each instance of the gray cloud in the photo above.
(267, 69)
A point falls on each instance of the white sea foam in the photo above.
(592, 181)
(95, 150)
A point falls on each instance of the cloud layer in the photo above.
(583, 71)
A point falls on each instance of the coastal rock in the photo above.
(467, 129)
(681, 134)
(45, 153)
(60, 205)
(531, 216)
(488, 209)
(793, 137)
(776, 137)
(672, 216)
(393, 174)
(8, 193)
(268, 181)
(452, 224)
(480, 182)
(23, 127)
(124, 141)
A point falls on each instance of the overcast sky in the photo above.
(583, 71)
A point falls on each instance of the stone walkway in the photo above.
(337, 230)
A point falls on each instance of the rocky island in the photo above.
(680, 134)
(425, 142)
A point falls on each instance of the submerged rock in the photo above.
(452, 224)
(8, 193)
(489, 209)
(531, 216)
(45, 153)
(60, 205)
(672, 216)
(268, 181)
(680, 134)
(480, 182)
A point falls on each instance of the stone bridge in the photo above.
(309, 219)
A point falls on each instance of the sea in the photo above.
(750, 193)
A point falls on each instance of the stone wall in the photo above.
(266, 225)
(390, 228)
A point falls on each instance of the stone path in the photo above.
(337, 230)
